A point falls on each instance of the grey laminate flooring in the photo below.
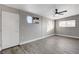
(50, 45)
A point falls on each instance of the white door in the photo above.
(10, 29)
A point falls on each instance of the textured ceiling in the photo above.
(47, 10)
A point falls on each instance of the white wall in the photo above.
(30, 32)
(10, 29)
(68, 31)
(0, 29)
(27, 32)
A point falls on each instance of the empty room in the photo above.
(39, 28)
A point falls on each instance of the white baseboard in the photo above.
(68, 36)
(47, 36)
(36, 39)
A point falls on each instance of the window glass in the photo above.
(29, 19)
(69, 23)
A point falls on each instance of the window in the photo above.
(50, 26)
(69, 23)
(29, 19)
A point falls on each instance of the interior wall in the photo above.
(33, 31)
(69, 31)
(0, 29)
(46, 26)
(7, 23)
(27, 31)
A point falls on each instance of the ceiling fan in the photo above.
(60, 13)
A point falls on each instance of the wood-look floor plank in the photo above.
(50, 45)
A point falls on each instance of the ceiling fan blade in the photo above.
(60, 13)
(63, 11)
